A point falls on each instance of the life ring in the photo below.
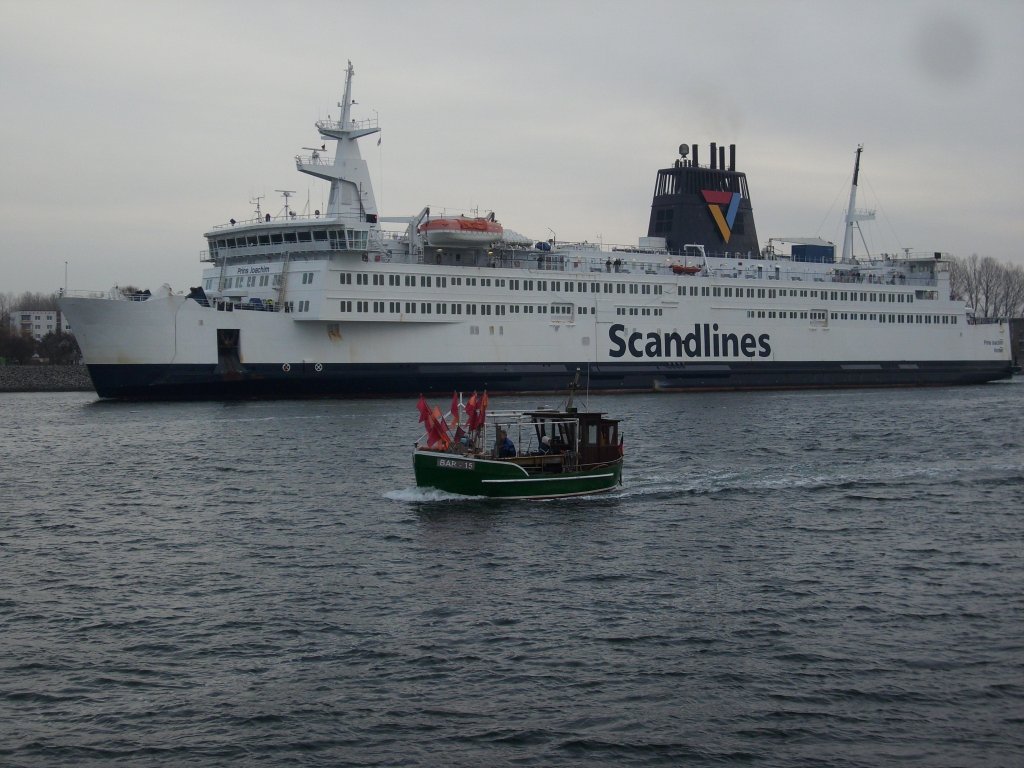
(286, 367)
(319, 367)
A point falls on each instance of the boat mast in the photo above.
(852, 214)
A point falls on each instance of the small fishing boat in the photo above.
(538, 454)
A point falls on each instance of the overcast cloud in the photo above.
(131, 128)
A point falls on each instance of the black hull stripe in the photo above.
(303, 380)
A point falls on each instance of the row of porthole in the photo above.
(318, 367)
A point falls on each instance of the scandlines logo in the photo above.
(715, 201)
(704, 342)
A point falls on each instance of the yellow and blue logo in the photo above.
(715, 201)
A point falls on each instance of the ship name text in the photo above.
(261, 270)
(703, 341)
(455, 464)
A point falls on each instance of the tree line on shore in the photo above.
(992, 288)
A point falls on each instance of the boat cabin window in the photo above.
(276, 238)
(289, 237)
(264, 239)
(250, 240)
(320, 235)
(304, 237)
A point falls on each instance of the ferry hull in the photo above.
(309, 380)
(470, 476)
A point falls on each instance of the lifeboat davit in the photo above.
(460, 231)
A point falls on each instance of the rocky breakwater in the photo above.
(45, 378)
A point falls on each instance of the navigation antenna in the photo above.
(286, 193)
(256, 201)
(573, 386)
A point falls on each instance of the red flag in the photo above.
(455, 409)
(471, 413)
(423, 408)
(483, 409)
(437, 429)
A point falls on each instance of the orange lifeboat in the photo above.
(460, 231)
(679, 269)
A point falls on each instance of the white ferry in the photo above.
(347, 302)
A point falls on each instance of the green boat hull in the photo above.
(506, 479)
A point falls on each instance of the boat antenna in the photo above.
(256, 201)
(286, 193)
(573, 386)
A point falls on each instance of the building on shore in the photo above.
(38, 322)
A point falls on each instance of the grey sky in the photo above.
(131, 128)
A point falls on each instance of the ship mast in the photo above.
(351, 195)
(853, 216)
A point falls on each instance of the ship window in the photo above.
(304, 236)
(319, 235)
(289, 237)
(264, 239)
(346, 306)
(276, 238)
(760, 313)
(728, 292)
(361, 278)
(705, 291)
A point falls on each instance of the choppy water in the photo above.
(785, 579)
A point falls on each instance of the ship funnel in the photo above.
(714, 156)
(732, 157)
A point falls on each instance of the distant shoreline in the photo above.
(45, 378)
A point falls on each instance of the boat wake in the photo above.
(425, 494)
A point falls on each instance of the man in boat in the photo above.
(506, 449)
(545, 446)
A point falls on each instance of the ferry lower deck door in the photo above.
(228, 346)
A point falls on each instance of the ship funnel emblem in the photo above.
(715, 201)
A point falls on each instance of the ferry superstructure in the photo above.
(347, 302)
